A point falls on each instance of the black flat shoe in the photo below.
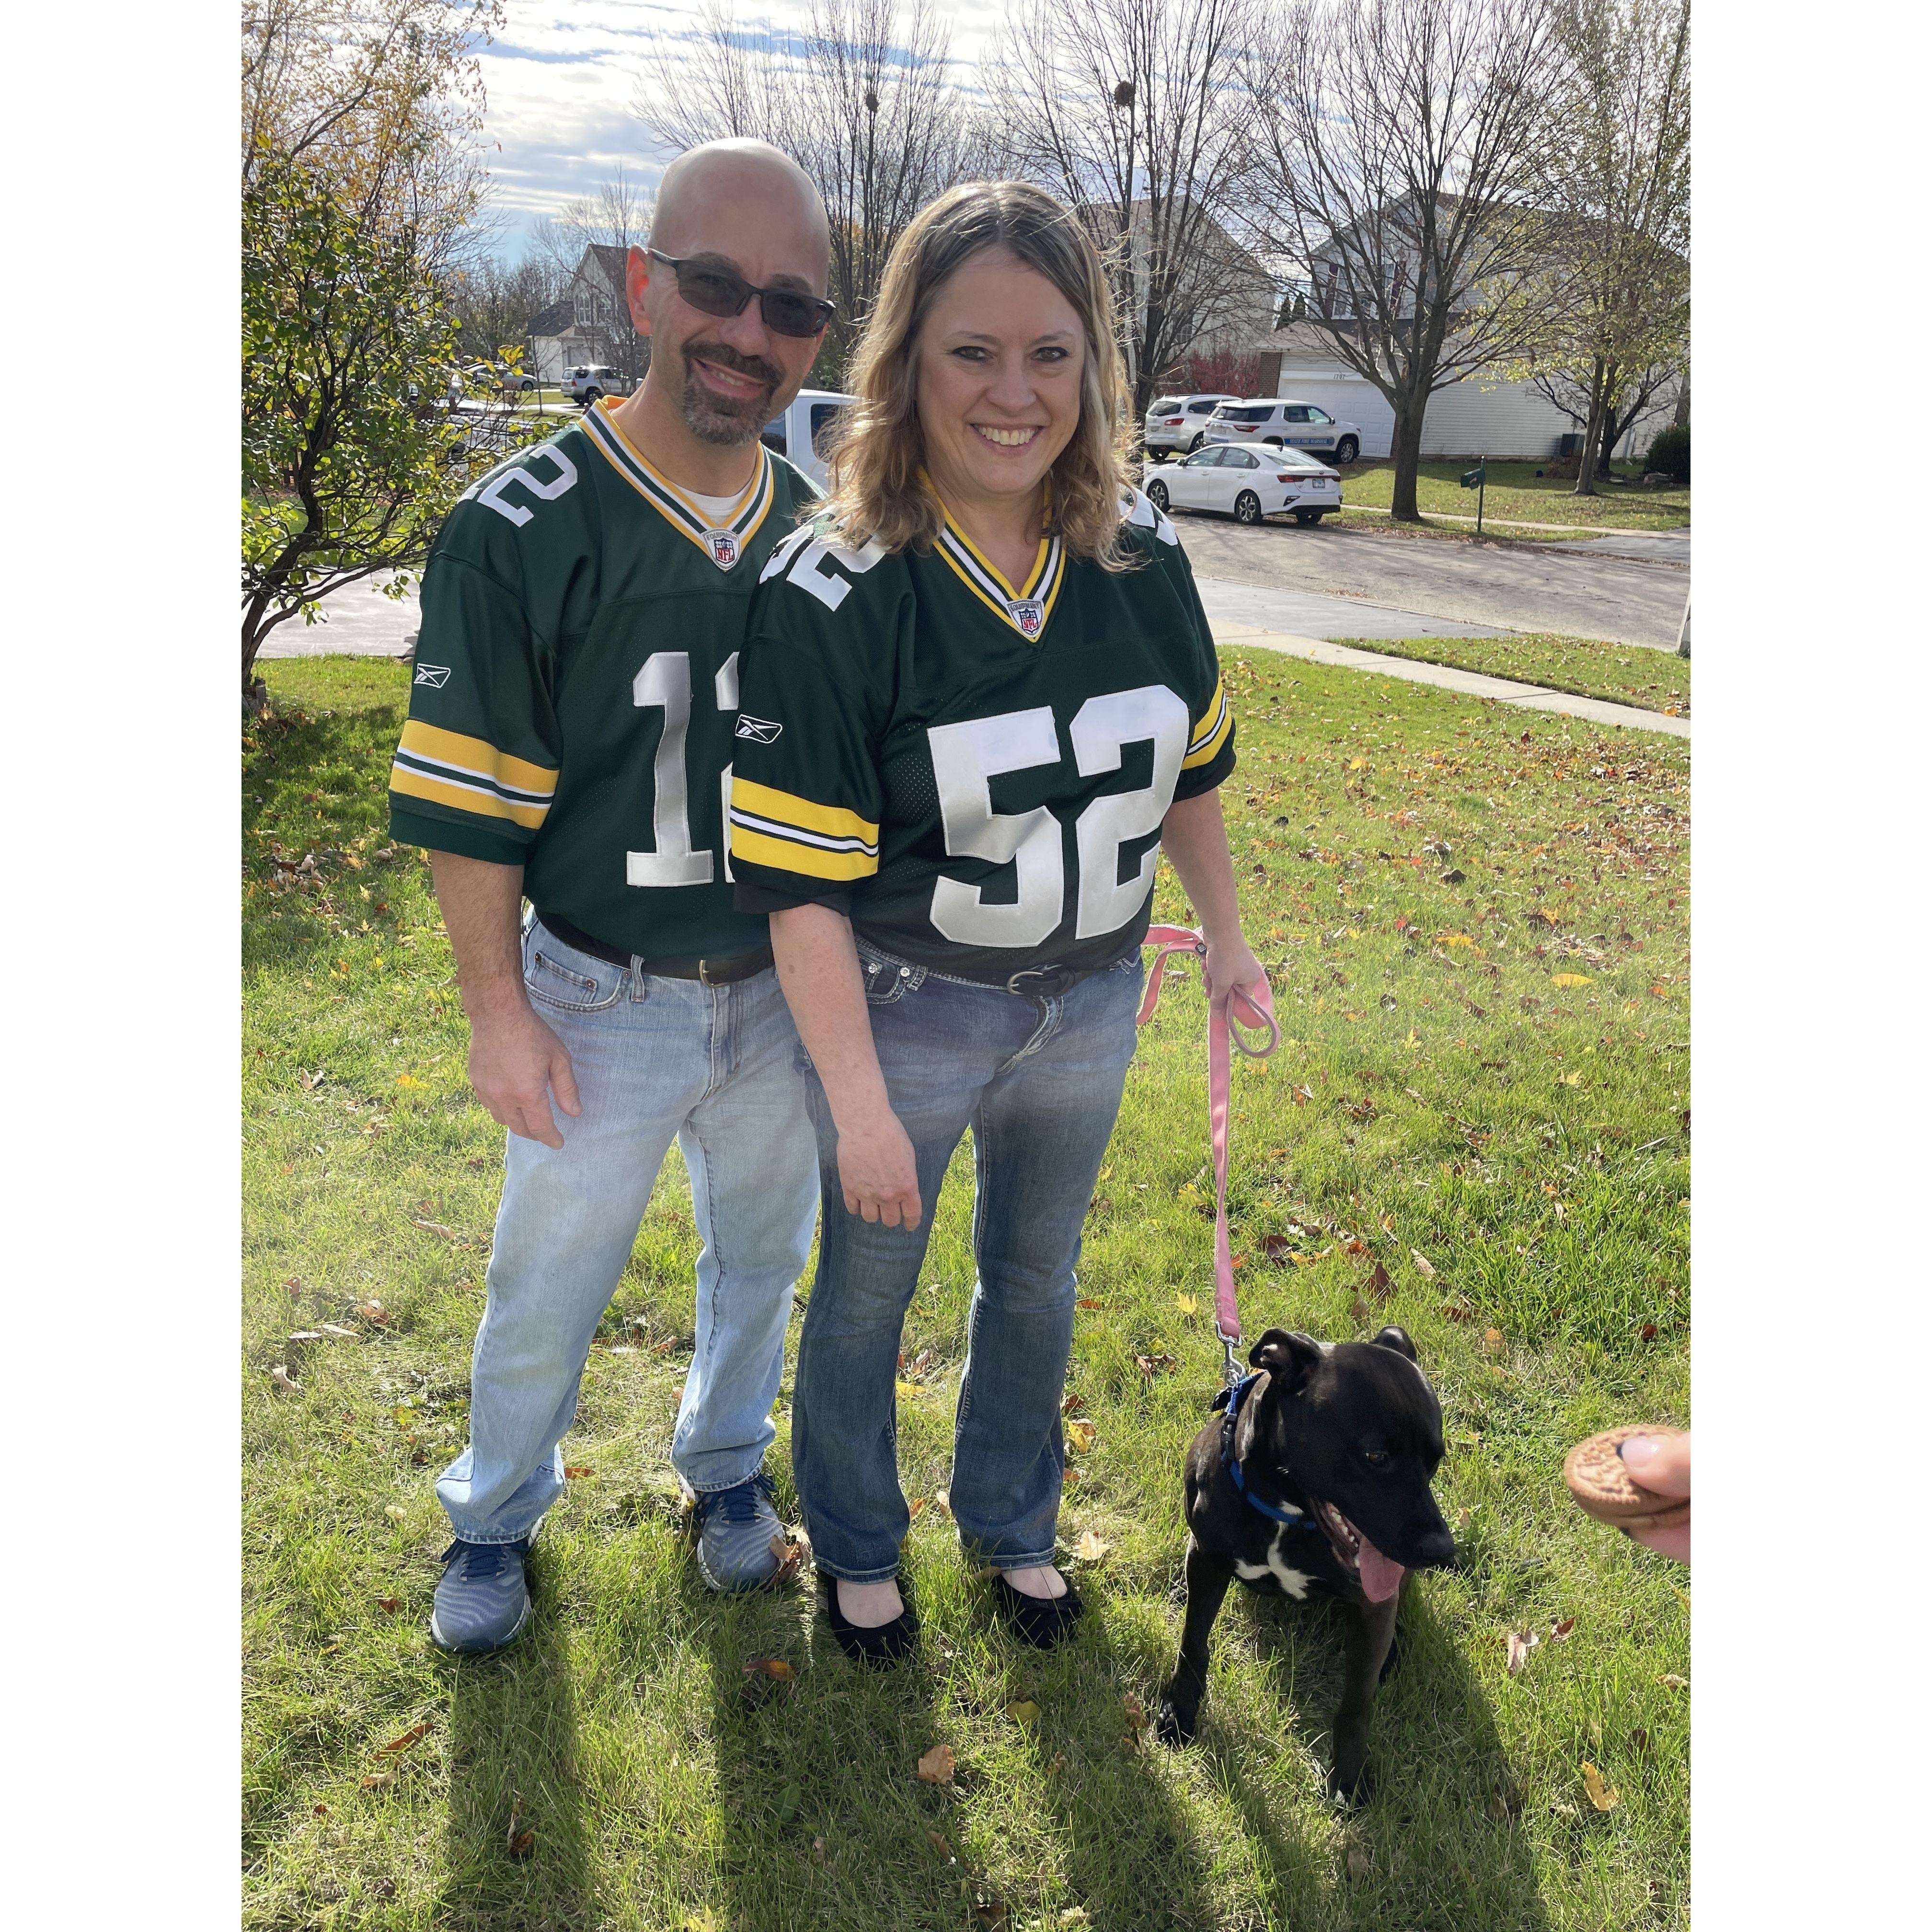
(1042, 1622)
(879, 1644)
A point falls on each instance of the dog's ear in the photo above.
(1397, 1339)
(1288, 1358)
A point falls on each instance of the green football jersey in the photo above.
(577, 684)
(975, 775)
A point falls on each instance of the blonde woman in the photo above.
(978, 700)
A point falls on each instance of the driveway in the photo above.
(1580, 590)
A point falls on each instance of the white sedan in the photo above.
(1248, 484)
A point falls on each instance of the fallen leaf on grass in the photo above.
(520, 1839)
(396, 1513)
(1602, 1795)
(388, 1606)
(1186, 1304)
(1025, 1711)
(1570, 1080)
(1360, 1863)
(434, 1228)
(321, 1810)
(787, 1805)
(1082, 1434)
(572, 1471)
(1086, 1302)
(1521, 1643)
(1570, 978)
(310, 1081)
(409, 1080)
(992, 1912)
(1379, 1284)
(792, 1554)
(1073, 1404)
(1640, 1739)
(1091, 1546)
(1672, 1681)
(1360, 1313)
(284, 1382)
(373, 1310)
(936, 1767)
(1492, 1340)
(376, 1779)
(774, 1667)
(942, 1502)
(1423, 1265)
(334, 1328)
(1136, 1711)
(1150, 1366)
(1456, 1311)
(412, 1735)
(307, 1335)
(916, 1508)
(941, 1845)
(1559, 1633)
(1275, 1248)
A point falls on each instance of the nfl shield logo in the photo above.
(1029, 613)
(724, 547)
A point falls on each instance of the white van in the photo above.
(799, 434)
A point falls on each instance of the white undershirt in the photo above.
(717, 510)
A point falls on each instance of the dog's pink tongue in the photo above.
(1380, 1579)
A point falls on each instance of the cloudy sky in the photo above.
(562, 78)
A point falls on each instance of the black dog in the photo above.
(1315, 1481)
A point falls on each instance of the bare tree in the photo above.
(1616, 323)
(863, 99)
(1401, 145)
(1131, 110)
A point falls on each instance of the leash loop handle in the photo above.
(1225, 1018)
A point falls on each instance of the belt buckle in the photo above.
(704, 978)
(1052, 980)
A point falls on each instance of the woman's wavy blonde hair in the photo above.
(878, 447)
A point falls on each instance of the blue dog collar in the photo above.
(1230, 1400)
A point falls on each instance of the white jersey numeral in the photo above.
(493, 486)
(1101, 727)
(808, 571)
(966, 757)
(665, 682)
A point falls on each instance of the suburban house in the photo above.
(591, 324)
(1483, 415)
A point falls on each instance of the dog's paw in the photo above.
(1349, 1792)
(1172, 1727)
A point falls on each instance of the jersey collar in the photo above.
(1027, 609)
(724, 545)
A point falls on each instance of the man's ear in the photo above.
(1397, 1339)
(1287, 1357)
(636, 279)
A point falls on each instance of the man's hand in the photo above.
(515, 1063)
(879, 1173)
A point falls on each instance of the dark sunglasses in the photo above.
(724, 292)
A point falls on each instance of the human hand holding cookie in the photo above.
(1638, 1479)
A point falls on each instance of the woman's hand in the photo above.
(878, 1173)
(1661, 1464)
(1230, 963)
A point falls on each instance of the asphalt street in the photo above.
(1579, 590)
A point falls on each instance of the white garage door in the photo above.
(1356, 402)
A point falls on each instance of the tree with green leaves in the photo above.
(359, 177)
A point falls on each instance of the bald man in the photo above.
(569, 743)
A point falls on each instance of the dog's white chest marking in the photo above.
(1293, 1583)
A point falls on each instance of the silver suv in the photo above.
(593, 380)
(1287, 424)
(1178, 422)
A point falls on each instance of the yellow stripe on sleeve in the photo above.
(477, 800)
(478, 755)
(782, 856)
(1212, 732)
(789, 809)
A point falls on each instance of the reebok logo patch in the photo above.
(759, 730)
(435, 675)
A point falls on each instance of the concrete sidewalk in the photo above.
(1309, 613)
(1447, 677)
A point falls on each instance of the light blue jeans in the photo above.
(716, 1067)
(1039, 1081)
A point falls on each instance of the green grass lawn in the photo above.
(1516, 491)
(1623, 674)
(1481, 1096)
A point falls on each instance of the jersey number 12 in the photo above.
(665, 684)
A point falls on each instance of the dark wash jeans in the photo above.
(1038, 1081)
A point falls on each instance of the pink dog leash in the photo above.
(1225, 1018)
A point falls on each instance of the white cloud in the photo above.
(562, 87)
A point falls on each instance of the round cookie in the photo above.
(1603, 1485)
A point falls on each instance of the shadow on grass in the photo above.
(513, 1728)
(1433, 1845)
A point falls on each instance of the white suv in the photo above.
(1289, 425)
(1178, 422)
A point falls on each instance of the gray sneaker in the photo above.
(735, 1530)
(483, 1601)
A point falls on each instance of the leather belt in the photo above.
(720, 971)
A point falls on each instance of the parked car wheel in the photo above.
(1308, 519)
(1272, 442)
(1156, 493)
(1200, 437)
(1347, 450)
(591, 396)
(1247, 507)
